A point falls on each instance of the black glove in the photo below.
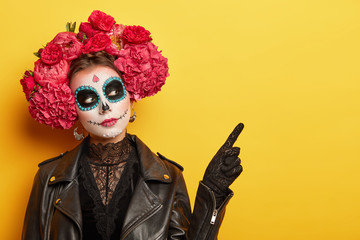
(225, 167)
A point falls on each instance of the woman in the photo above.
(112, 186)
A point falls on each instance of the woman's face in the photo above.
(102, 103)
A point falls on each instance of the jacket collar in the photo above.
(66, 169)
(152, 167)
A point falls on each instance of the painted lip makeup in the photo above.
(109, 122)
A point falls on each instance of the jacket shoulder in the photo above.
(52, 159)
(170, 161)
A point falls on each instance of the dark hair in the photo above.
(90, 60)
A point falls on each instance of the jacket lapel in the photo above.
(67, 199)
(144, 203)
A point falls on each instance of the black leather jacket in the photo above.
(159, 208)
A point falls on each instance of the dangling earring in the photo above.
(78, 136)
(132, 118)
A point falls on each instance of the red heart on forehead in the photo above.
(95, 79)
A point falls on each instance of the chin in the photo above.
(112, 133)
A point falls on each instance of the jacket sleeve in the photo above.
(181, 211)
(204, 223)
(206, 219)
(32, 223)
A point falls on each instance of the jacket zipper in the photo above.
(140, 220)
(215, 211)
(213, 218)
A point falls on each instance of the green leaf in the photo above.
(68, 27)
(30, 72)
(37, 54)
(73, 26)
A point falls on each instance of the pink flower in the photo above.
(97, 43)
(54, 105)
(136, 34)
(139, 53)
(89, 31)
(116, 42)
(56, 74)
(101, 21)
(144, 69)
(51, 54)
(28, 84)
(70, 45)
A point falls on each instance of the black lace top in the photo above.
(108, 174)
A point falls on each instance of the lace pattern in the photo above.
(107, 163)
(107, 180)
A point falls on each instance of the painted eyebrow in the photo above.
(113, 78)
(84, 87)
(96, 79)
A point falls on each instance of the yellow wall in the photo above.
(288, 69)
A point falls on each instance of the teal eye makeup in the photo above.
(86, 98)
(114, 89)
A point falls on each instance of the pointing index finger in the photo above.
(233, 136)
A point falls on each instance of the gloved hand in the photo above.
(225, 166)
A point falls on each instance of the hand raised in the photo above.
(225, 166)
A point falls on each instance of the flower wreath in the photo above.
(143, 68)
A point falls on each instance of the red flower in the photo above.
(97, 43)
(56, 74)
(51, 54)
(81, 36)
(136, 34)
(70, 45)
(101, 21)
(28, 84)
(38, 53)
(89, 31)
(54, 105)
(116, 42)
(144, 69)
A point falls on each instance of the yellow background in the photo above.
(288, 69)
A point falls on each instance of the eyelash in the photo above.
(98, 98)
(116, 92)
(122, 84)
(86, 88)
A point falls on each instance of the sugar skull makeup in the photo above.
(87, 98)
(103, 104)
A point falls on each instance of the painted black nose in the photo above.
(105, 106)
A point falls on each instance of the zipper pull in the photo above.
(214, 215)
